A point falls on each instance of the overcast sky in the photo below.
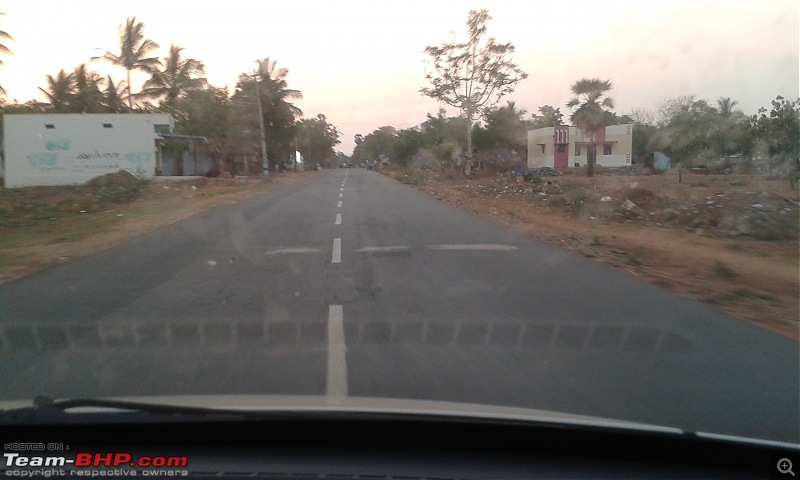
(361, 63)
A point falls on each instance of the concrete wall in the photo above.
(65, 149)
(541, 149)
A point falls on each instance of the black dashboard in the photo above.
(380, 446)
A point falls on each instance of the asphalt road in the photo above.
(351, 284)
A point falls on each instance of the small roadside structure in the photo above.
(70, 149)
(562, 147)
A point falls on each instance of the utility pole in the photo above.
(264, 159)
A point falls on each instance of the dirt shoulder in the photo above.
(730, 241)
(44, 226)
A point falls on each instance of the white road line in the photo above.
(336, 380)
(341, 189)
(338, 219)
(339, 205)
(293, 250)
(340, 195)
(337, 251)
(474, 246)
(388, 249)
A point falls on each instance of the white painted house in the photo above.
(563, 147)
(68, 149)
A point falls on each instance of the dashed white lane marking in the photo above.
(336, 380)
(387, 249)
(338, 219)
(293, 250)
(337, 251)
(474, 246)
(340, 195)
(339, 205)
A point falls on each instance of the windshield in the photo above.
(587, 208)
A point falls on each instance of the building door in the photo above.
(561, 140)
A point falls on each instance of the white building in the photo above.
(67, 149)
(563, 147)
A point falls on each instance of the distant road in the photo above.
(350, 283)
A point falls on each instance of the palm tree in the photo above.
(59, 91)
(725, 106)
(112, 97)
(588, 112)
(278, 113)
(4, 50)
(274, 85)
(87, 97)
(177, 77)
(133, 51)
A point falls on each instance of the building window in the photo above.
(49, 126)
(607, 149)
(542, 145)
(577, 149)
(561, 148)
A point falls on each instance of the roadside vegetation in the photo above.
(177, 86)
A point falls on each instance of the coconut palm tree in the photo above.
(113, 100)
(589, 109)
(725, 106)
(278, 113)
(59, 91)
(273, 84)
(87, 97)
(133, 51)
(4, 50)
(177, 77)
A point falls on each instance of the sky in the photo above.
(361, 63)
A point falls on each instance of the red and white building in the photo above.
(563, 147)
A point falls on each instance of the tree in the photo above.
(177, 77)
(379, 143)
(4, 50)
(278, 113)
(87, 97)
(505, 127)
(725, 106)
(685, 129)
(778, 130)
(113, 100)
(547, 117)
(133, 51)
(473, 74)
(316, 138)
(730, 134)
(209, 113)
(589, 108)
(59, 91)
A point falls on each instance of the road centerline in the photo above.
(339, 205)
(336, 378)
(338, 219)
(337, 250)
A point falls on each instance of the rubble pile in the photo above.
(756, 214)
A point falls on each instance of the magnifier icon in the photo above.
(785, 466)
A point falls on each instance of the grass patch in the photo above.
(723, 271)
(412, 181)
